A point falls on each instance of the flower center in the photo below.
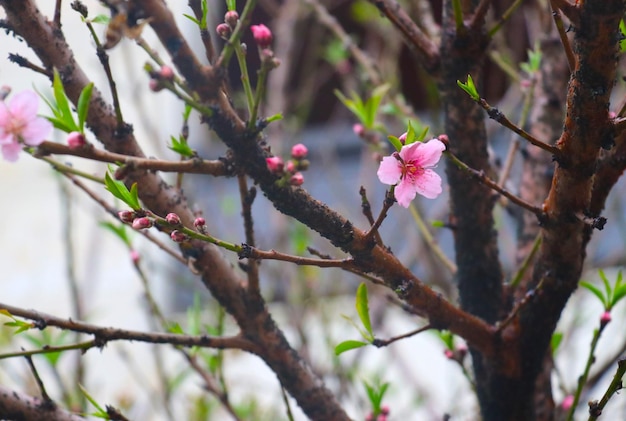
(410, 170)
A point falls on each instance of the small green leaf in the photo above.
(119, 190)
(372, 104)
(60, 124)
(355, 105)
(176, 329)
(556, 340)
(119, 230)
(618, 293)
(362, 308)
(438, 224)
(348, 345)
(191, 18)
(469, 87)
(101, 19)
(187, 112)
(62, 104)
(83, 105)
(607, 286)
(205, 10)
(596, 291)
(275, 117)
(622, 43)
(231, 4)
(5, 312)
(395, 142)
(180, 146)
(410, 134)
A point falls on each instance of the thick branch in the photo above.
(15, 405)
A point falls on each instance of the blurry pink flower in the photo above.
(19, 123)
(358, 130)
(262, 35)
(134, 256)
(299, 151)
(567, 402)
(411, 170)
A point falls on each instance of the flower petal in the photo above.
(390, 170)
(431, 153)
(404, 193)
(428, 184)
(11, 152)
(36, 131)
(24, 105)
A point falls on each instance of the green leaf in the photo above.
(191, 18)
(187, 112)
(83, 105)
(372, 104)
(175, 328)
(423, 133)
(355, 105)
(618, 293)
(62, 104)
(395, 142)
(5, 312)
(469, 87)
(622, 43)
(348, 345)
(362, 308)
(119, 190)
(205, 10)
(101, 19)
(447, 338)
(607, 286)
(119, 230)
(275, 117)
(180, 146)
(20, 326)
(230, 4)
(60, 124)
(595, 290)
(555, 341)
(410, 134)
(438, 224)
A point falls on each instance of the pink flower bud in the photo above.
(134, 256)
(382, 417)
(231, 18)
(199, 222)
(76, 140)
(173, 219)
(369, 417)
(605, 318)
(291, 167)
(141, 223)
(177, 236)
(443, 138)
(297, 179)
(384, 410)
(223, 30)
(262, 35)
(167, 73)
(155, 85)
(126, 216)
(358, 130)
(402, 138)
(567, 402)
(275, 164)
(449, 354)
(525, 84)
(299, 151)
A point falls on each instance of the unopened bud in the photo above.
(134, 256)
(275, 164)
(567, 402)
(443, 138)
(402, 138)
(155, 85)
(177, 236)
(358, 130)
(167, 73)
(449, 354)
(291, 167)
(262, 35)
(199, 222)
(223, 30)
(384, 410)
(126, 216)
(297, 179)
(173, 219)
(605, 318)
(76, 140)
(142, 223)
(299, 151)
(231, 18)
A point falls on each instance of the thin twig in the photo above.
(247, 198)
(42, 388)
(480, 176)
(57, 14)
(520, 304)
(387, 204)
(478, 18)
(430, 240)
(103, 335)
(615, 386)
(366, 208)
(384, 342)
(558, 21)
(189, 166)
(24, 62)
(505, 16)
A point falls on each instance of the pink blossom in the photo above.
(299, 151)
(262, 35)
(297, 179)
(605, 318)
(134, 256)
(567, 402)
(411, 170)
(19, 123)
(76, 140)
(358, 130)
(275, 164)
